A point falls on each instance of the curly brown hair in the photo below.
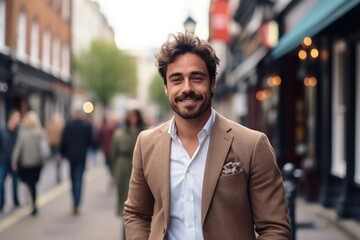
(186, 43)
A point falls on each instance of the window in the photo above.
(65, 62)
(56, 4)
(21, 35)
(56, 56)
(34, 50)
(338, 167)
(357, 136)
(2, 23)
(46, 50)
(65, 10)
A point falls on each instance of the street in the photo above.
(97, 219)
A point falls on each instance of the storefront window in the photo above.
(338, 167)
(357, 122)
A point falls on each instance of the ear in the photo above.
(165, 89)
(213, 86)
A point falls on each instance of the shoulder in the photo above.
(238, 132)
(231, 126)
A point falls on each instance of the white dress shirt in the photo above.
(186, 182)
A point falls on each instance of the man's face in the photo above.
(188, 86)
(14, 120)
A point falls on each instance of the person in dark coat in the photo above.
(75, 141)
(8, 137)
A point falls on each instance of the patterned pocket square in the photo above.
(231, 168)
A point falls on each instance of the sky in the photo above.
(143, 24)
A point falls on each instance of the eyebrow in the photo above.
(198, 73)
(176, 74)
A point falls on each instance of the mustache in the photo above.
(187, 96)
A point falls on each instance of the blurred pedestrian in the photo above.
(27, 158)
(8, 137)
(54, 130)
(122, 150)
(76, 139)
(104, 140)
(200, 175)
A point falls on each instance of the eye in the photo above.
(198, 77)
(175, 80)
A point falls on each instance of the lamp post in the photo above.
(190, 25)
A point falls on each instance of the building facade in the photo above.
(86, 13)
(36, 56)
(303, 90)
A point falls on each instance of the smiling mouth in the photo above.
(188, 98)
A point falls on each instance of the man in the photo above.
(200, 175)
(7, 142)
(75, 141)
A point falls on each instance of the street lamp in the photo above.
(190, 25)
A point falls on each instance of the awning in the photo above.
(321, 15)
(246, 67)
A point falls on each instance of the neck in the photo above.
(189, 128)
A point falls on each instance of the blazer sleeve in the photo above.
(138, 208)
(266, 189)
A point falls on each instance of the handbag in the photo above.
(44, 148)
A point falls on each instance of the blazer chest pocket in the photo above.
(235, 178)
(231, 189)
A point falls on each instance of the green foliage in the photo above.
(157, 93)
(106, 70)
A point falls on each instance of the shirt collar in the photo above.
(205, 131)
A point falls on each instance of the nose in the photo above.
(188, 86)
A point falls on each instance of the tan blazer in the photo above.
(232, 206)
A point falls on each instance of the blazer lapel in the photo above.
(220, 143)
(162, 152)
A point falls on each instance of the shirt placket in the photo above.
(189, 217)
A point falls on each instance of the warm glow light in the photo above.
(314, 53)
(302, 54)
(310, 81)
(273, 81)
(276, 81)
(262, 95)
(88, 107)
(307, 41)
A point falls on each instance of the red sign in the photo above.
(219, 20)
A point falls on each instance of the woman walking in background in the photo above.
(54, 130)
(27, 158)
(123, 144)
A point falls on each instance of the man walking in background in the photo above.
(76, 139)
(8, 137)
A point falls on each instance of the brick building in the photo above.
(35, 56)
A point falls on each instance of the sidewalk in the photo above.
(97, 219)
(317, 222)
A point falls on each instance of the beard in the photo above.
(190, 112)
